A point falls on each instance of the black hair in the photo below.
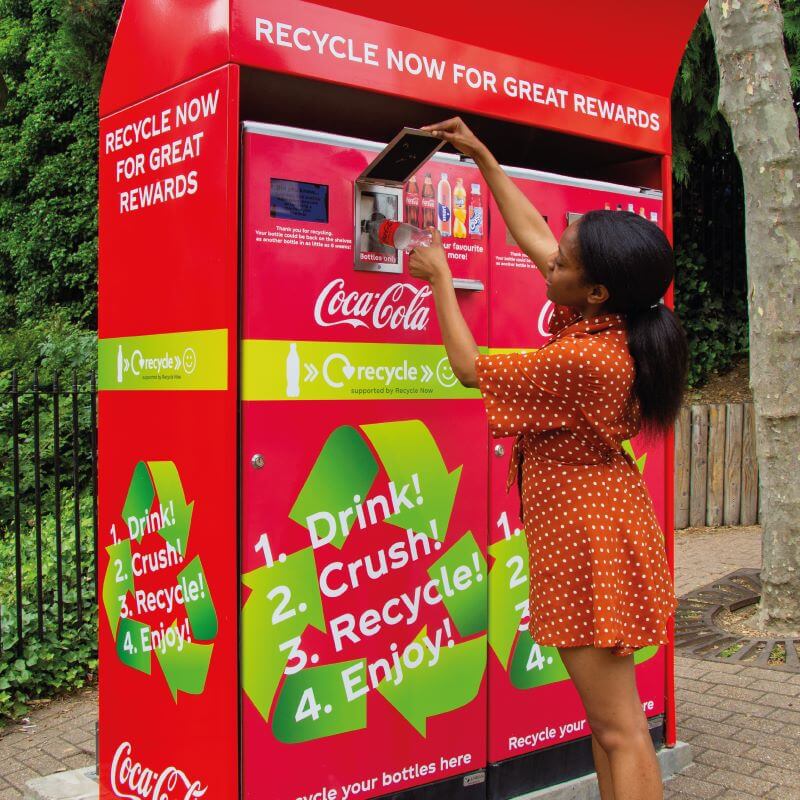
(633, 259)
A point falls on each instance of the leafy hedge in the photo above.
(52, 664)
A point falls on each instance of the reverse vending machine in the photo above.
(314, 584)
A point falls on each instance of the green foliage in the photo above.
(791, 33)
(698, 129)
(716, 327)
(56, 346)
(52, 54)
(51, 664)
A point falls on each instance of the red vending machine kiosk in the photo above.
(313, 582)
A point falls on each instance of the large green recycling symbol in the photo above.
(156, 505)
(309, 699)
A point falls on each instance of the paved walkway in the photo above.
(743, 722)
(56, 736)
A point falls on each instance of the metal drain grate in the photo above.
(698, 635)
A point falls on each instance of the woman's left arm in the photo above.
(430, 264)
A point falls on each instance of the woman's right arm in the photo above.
(528, 227)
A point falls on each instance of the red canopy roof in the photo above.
(625, 43)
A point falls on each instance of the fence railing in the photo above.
(48, 506)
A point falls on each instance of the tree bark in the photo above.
(755, 98)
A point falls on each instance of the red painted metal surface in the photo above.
(170, 265)
(628, 42)
(616, 48)
(670, 732)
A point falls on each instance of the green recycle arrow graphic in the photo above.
(117, 581)
(185, 665)
(139, 499)
(509, 582)
(640, 462)
(184, 662)
(169, 490)
(407, 448)
(332, 488)
(464, 567)
(451, 683)
(197, 600)
(284, 600)
(313, 703)
(129, 645)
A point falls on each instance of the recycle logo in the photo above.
(531, 665)
(155, 506)
(307, 700)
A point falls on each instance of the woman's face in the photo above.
(566, 281)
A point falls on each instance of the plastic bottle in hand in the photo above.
(399, 235)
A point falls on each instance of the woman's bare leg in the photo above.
(607, 686)
(603, 769)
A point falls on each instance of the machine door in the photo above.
(532, 703)
(363, 508)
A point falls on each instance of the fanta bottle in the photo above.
(460, 210)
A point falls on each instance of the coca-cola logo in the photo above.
(133, 781)
(401, 305)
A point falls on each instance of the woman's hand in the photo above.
(459, 135)
(430, 263)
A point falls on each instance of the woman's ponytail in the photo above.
(657, 343)
(632, 258)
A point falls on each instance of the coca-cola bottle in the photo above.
(428, 202)
(399, 235)
(412, 203)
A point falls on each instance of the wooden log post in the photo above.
(699, 466)
(683, 458)
(733, 464)
(716, 464)
(749, 510)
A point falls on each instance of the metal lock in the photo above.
(499, 450)
(257, 461)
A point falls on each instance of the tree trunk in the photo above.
(755, 98)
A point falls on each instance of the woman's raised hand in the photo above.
(458, 134)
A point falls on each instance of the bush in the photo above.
(717, 329)
(52, 664)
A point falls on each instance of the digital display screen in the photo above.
(306, 202)
(404, 158)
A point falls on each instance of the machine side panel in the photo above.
(167, 443)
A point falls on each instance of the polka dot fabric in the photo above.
(599, 572)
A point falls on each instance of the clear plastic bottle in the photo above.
(293, 372)
(399, 235)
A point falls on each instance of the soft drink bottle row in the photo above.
(447, 208)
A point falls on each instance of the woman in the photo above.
(616, 361)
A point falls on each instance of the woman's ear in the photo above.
(598, 294)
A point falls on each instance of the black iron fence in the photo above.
(48, 506)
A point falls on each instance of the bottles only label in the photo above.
(444, 212)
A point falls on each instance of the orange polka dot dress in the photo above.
(598, 568)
